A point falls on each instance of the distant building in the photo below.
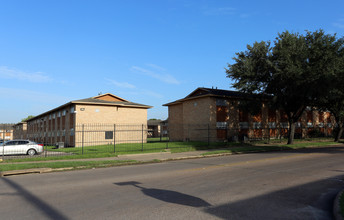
(68, 122)
(6, 132)
(154, 127)
(215, 113)
(20, 130)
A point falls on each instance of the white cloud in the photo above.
(156, 67)
(142, 92)
(152, 94)
(244, 15)
(164, 77)
(339, 25)
(121, 84)
(31, 96)
(37, 77)
(220, 11)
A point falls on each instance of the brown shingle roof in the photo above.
(97, 101)
(203, 92)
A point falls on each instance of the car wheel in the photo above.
(31, 152)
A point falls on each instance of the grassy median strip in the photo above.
(266, 148)
(102, 151)
(64, 164)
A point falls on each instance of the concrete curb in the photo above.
(143, 154)
(48, 170)
(336, 207)
(26, 171)
(142, 159)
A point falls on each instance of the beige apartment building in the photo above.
(88, 122)
(6, 132)
(20, 130)
(215, 113)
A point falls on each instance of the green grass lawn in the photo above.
(157, 139)
(271, 147)
(64, 164)
(103, 151)
(139, 147)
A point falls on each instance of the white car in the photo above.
(20, 147)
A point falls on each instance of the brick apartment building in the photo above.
(216, 111)
(64, 123)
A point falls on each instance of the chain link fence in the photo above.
(108, 139)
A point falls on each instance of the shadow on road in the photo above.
(40, 205)
(309, 201)
(168, 195)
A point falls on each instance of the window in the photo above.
(257, 125)
(72, 109)
(54, 116)
(284, 125)
(221, 125)
(72, 132)
(272, 124)
(108, 134)
(310, 124)
(243, 125)
(59, 114)
(64, 112)
(221, 102)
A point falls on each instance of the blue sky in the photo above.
(150, 52)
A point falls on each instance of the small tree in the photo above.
(27, 118)
(293, 71)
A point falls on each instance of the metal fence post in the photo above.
(3, 147)
(227, 135)
(208, 135)
(142, 138)
(114, 138)
(82, 141)
(168, 137)
(280, 133)
(160, 134)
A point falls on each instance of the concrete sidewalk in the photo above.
(144, 157)
(163, 156)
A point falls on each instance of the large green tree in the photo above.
(334, 100)
(295, 70)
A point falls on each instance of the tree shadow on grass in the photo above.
(168, 195)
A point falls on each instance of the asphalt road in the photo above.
(282, 185)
